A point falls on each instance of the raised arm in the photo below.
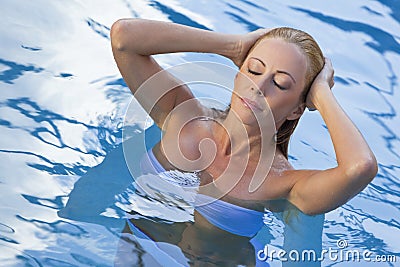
(135, 40)
(323, 191)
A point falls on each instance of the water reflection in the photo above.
(160, 227)
(31, 48)
(47, 128)
(50, 134)
(99, 28)
(372, 12)
(59, 226)
(186, 243)
(35, 181)
(177, 17)
(362, 222)
(382, 40)
(253, 4)
(394, 6)
(15, 70)
(241, 11)
(23, 259)
(249, 25)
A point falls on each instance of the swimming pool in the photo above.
(62, 106)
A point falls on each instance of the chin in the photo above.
(247, 117)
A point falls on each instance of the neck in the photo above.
(237, 139)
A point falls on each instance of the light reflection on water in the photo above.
(62, 102)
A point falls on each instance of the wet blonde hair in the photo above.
(315, 62)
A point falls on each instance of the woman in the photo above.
(282, 69)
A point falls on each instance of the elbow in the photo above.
(365, 169)
(119, 34)
(372, 168)
(316, 208)
(311, 211)
(369, 168)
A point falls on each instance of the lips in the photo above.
(250, 104)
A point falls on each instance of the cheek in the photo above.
(236, 103)
(282, 103)
(242, 80)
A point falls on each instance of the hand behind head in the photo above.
(324, 79)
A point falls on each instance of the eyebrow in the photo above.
(259, 60)
(279, 71)
(287, 73)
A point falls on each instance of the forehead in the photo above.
(281, 55)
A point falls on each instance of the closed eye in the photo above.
(253, 72)
(278, 85)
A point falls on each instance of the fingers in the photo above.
(259, 33)
(246, 41)
(331, 82)
(326, 73)
(330, 72)
(328, 61)
(325, 77)
(262, 31)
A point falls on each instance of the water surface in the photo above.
(62, 103)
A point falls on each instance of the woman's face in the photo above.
(274, 73)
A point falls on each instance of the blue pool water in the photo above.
(64, 184)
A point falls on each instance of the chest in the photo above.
(195, 148)
(239, 180)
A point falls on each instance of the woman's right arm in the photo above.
(135, 40)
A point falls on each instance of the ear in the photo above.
(297, 112)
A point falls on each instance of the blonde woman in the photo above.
(287, 72)
(281, 72)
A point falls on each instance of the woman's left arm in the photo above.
(323, 191)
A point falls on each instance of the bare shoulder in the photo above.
(184, 132)
(282, 177)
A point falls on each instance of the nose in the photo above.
(257, 90)
(260, 85)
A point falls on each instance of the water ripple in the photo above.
(32, 110)
(394, 6)
(176, 16)
(383, 41)
(242, 11)
(59, 226)
(31, 48)
(249, 25)
(16, 70)
(6, 229)
(99, 28)
(11, 256)
(86, 260)
(252, 4)
(368, 221)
